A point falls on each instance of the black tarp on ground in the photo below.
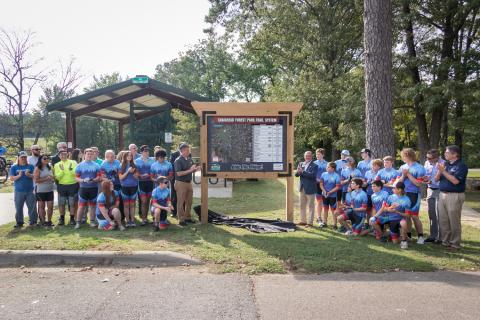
(255, 225)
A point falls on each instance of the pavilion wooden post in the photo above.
(70, 128)
(121, 139)
(290, 110)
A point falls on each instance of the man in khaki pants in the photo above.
(307, 171)
(184, 167)
(452, 176)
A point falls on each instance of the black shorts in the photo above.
(87, 195)
(145, 187)
(67, 190)
(339, 195)
(369, 202)
(44, 196)
(413, 196)
(330, 202)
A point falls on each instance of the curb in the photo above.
(47, 258)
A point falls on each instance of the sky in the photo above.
(104, 36)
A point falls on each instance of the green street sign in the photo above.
(140, 80)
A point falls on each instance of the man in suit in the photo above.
(307, 171)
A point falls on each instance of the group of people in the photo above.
(105, 190)
(372, 197)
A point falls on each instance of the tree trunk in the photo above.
(420, 117)
(378, 77)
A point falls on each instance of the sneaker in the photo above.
(429, 240)
(189, 221)
(348, 232)
(18, 226)
(342, 229)
(93, 224)
(133, 224)
(156, 228)
(72, 222)
(50, 224)
(420, 240)
(334, 227)
(383, 239)
(121, 227)
(183, 224)
(77, 225)
(143, 223)
(84, 221)
(404, 245)
(61, 221)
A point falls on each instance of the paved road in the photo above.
(193, 293)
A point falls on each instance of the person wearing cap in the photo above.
(33, 159)
(67, 186)
(451, 176)
(161, 203)
(366, 163)
(145, 183)
(307, 171)
(433, 193)
(341, 163)
(134, 151)
(61, 146)
(184, 168)
(21, 174)
(412, 174)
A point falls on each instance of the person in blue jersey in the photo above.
(96, 157)
(145, 183)
(379, 197)
(161, 203)
(107, 212)
(88, 175)
(340, 164)
(128, 175)
(412, 174)
(134, 151)
(370, 176)
(109, 169)
(433, 193)
(393, 213)
(348, 173)
(330, 184)
(388, 174)
(354, 208)
(365, 164)
(161, 167)
(21, 174)
(321, 168)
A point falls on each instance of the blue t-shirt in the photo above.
(144, 168)
(101, 203)
(348, 173)
(340, 165)
(24, 184)
(431, 172)
(3, 151)
(330, 181)
(164, 168)
(110, 170)
(459, 170)
(357, 199)
(364, 166)
(88, 170)
(138, 155)
(378, 198)
(387, 176)
(417, 171)
(161, 196)
(369, 177)
(321, 168)
(130, 180)
(403, 203)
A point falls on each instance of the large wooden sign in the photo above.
(246, 140)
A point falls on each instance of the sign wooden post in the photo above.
(247, 140)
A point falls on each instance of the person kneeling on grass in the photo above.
(393, 214)
(161, 204)
(354, 208)
(107, 212)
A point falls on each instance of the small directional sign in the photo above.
(140, 80)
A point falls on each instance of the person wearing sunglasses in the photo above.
(433, 193)
(44, 186)
(33, 158)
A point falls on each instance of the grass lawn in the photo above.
(474, 173)
(6, 187)
(227, 249)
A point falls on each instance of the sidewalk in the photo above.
(193, 293)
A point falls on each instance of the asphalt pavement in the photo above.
(194, 293)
